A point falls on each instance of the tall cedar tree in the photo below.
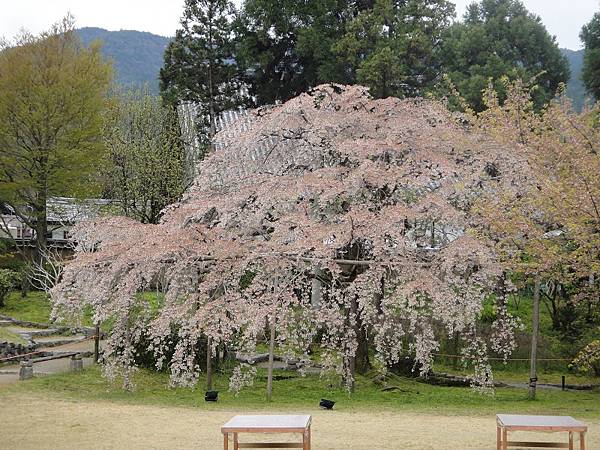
(145, 156)
(501, 38)
(394, 47)
(52, 98)
(590, 35)
(199, 65)
(286, 45)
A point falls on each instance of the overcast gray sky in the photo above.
(563, 18)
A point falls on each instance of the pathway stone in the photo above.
(57, 341)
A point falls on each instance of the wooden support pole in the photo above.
(316, 287)
(208, 364)
(534, 338)
(271, 357)
(97, 344)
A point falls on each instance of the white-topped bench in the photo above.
(267, 424)
(547, 424)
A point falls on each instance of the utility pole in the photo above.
(534, 338)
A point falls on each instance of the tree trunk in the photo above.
(359, 362)
(534, 338)
(208, 364)
(271, 357)
(24, 285)
(41, 226)
(211, 102)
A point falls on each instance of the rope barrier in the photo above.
(500, 359)
(443, 355)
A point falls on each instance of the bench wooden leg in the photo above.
(498, 438)
(570, 440)
(225, 441)
(306, 439)
(582, 440)
(235, 442)
(504, 439)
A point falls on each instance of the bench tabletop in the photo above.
(262, 423)
(548, 423)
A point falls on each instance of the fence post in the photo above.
(26, 370)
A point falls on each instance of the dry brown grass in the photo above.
(37, 422)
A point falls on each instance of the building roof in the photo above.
(69, 210)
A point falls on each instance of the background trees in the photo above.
(395, 47)
(551, 230)
(501, 38)
(144, 168)
(590, 36)
(286, 46)
(199, 64)
(52, 96)
(401, 48)
(390, 46)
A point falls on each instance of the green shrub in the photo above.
(588, 359)
(8, 279)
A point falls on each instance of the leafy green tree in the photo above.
(199, 66)
(501, 38)
(590, 35)
(52, 97)
(394, 47)
(144, 171)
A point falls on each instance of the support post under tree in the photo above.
(534, 338)
(271, 357)
(97, 344)
(208, 364)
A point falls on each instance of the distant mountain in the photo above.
(575, 89)
(137, 56)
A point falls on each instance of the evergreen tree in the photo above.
(286, 45)
(394, 46)
(199, 65)
(501, 38)
(590, 35)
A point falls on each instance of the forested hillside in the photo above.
(575, 88)
(137, 56)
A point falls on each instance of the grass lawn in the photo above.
(35, 307)
(81, 410)
(291, 390)
(9, 336)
